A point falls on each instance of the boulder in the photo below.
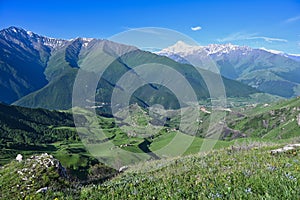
(19, 158)
(286, 148)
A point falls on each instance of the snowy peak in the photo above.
(183, 49)
(180, 47)
(18, 35)
(86, 41)
(225, 48)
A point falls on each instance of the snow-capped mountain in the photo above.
(24, 58)
(16, 35)
(37, 71)
(183, 49)
(292, 56)
(260, 68)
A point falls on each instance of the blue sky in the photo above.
(270, 24)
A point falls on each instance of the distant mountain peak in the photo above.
(14, 29)
(181, 48)
(17, 35)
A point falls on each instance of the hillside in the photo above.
(22, 64)
(252, 173)
(269, 121)
(32, 126)
(249, 173)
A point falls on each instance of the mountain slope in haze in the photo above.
(259, 68)
(58, 62)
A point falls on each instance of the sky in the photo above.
(269, 24)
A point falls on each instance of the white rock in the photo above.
(19, 158)
(123, 168)
(293, 145)
(44, 189)
(287, 148)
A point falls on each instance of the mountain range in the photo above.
(38, 71)
(262, 69)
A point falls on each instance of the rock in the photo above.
(286, 148)
(265, 123)
(298, 119)
(44, 189)
(47, 161)
(19, 158)
(123, 168)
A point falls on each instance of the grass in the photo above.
(250, 172)
(223, 174)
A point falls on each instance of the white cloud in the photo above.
(196, 28)
(269, 39)
(236, 36)
(150, 30)
(292, 19)
(249, 36)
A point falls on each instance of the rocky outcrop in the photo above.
(286, 148)
(231, 133)
(47, 161)
(24, 178)
(39, 163)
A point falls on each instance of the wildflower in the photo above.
(288, 165)
(247, 173)
(291, 177)
(271, 168)
(135, 192)
(218, 195)
(248, 190)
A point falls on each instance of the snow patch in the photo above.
(272, 51)
(29, 33)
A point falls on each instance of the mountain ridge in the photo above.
(260, 68)
(59, 60)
